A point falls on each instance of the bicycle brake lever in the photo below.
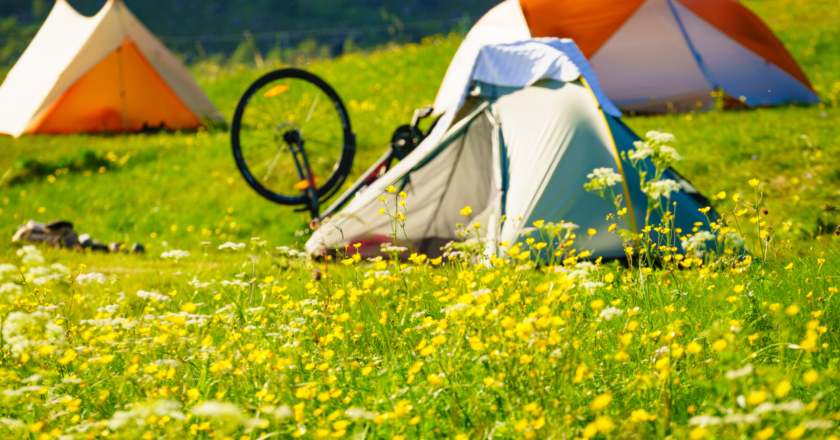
(421, 113)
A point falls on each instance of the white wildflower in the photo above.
(793, 407)
(670, 153)
(12, 423)
(58, 267)
(389, 249)
(661, 188)
(359, 413)
(454, 307)
(92, 277)
(8, 269)
(282, 412)
(642, 150)
(818, 424)
(30, 255)
(610, 313)
(109, 309)
(10, 288)
(739, 419)
(239, 283)
(705, 420)
(697, 242)
(40, 275)
(216, 409)
(746, 370)
(232, 245)
(175, 254)
(660, 137)
(592, 285)
(480, 292)
(603, 178)
(198, 284)
(139, 414)
(736, 239)
(33, 378)
(152, 295)
(23, 331)
(23, 390)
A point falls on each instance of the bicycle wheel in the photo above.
(278, 108)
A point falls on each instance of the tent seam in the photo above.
(697, 58)
(445, 188)
(624, 187)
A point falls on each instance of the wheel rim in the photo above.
(272, 107)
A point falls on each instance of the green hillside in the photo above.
(174, 186)
(196, 29)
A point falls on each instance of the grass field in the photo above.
(226, 343)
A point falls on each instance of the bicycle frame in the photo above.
(396, 150)
(372, 174)
(295, 143)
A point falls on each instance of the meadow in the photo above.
(251, 340)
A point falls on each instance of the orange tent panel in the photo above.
(121, 93)
(738, 23)
(589, 22)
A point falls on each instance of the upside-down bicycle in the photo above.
(293, 143)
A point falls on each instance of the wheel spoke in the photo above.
(286, 103)
(271, 167)
(312, 109)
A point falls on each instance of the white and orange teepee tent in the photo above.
(105, 73)
(652, 55)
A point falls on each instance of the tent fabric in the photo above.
(517, 64)
(655, 56)
(624, 64)
(97, 102)
(590, 23)
(503, 24)
(154, 86)
(515, 154)
(741, 25)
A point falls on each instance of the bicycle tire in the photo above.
(342, 168)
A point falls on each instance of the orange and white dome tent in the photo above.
(652, 56)
(105, 73)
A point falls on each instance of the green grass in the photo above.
(718, 340)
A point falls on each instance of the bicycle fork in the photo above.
(295, 142)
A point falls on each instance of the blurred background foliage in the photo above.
(237, 30)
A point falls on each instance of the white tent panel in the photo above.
(464, 177)
(623, 64)
(62, 51)
(68, 45)
(360, 221)
(522, 147)
(738, 70)
(173, 72)
(519, 65)
(503, 24)
(555, 136)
